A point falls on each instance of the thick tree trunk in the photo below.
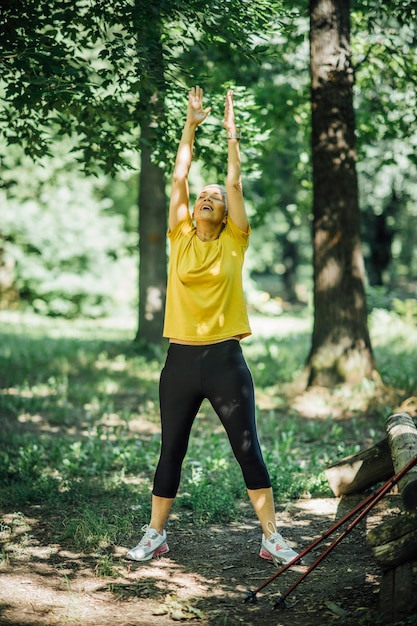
(341, 349)
(152, 247)
(152, 200)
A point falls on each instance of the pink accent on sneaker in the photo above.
(276, 549)
(152, 544)
(264, 554)
(161, 550)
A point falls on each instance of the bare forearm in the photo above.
(234, 177)
(236, 205)
(234, 173)
(185, 152)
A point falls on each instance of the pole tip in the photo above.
(251, 597)
(280, 603)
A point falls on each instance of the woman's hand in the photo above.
(195, 112)
(229, 114)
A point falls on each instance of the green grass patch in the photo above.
(80, 429)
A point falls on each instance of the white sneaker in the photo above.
(152, 544)
(276, 549)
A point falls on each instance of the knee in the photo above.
(172, 454)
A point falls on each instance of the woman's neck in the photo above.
(208, 234)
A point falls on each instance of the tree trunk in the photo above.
(152, 247)
(9, 296)
(152, 199)
(341, 348)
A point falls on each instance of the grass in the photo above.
(80, 437)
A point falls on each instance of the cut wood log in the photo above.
(359, 471)
(397, 595)
(394, 541)
(402, 439)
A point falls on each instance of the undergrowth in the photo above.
(80, 437)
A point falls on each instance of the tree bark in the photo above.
(402, 438)
(152, 247)
(397, 594)
(394, 541)
(360, 471)
(152, 199)
(341, 348)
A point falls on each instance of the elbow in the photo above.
(179, 176)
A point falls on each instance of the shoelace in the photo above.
(146, 537)
(275, 537)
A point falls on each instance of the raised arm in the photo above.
(234, 191)
(178, 206)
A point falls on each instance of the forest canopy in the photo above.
(79, 85)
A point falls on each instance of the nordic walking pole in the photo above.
(251, 597)
(381, 492)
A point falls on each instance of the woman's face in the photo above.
(210, 205)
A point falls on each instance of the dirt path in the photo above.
(203, 580)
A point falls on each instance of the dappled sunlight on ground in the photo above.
(103, 404)
(345, 402)
(205, 576)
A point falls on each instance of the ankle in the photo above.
(159, 529)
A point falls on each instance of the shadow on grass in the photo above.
(206, 575)
(79, 444)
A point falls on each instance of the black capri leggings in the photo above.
(219, 373)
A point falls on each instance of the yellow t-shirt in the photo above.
(205, 298)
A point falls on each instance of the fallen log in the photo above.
(394, 541)
(394, 546)
(402, 439)
(362, 470)
(397, 596)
